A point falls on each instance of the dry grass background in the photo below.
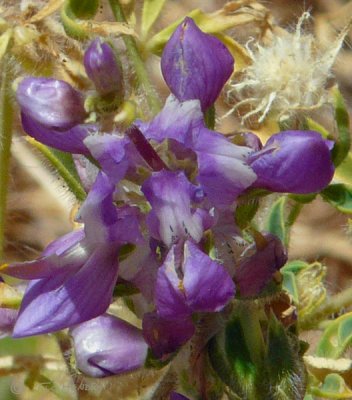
(39, 207)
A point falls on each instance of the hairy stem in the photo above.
(134, 55)
(6, 120)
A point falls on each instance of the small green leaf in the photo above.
(334, 387)
(336, 338)
(151, 11)
(284, 363)
(290, 285)
(231, 359)
(83, 9)
(343, 144)
(343, 171)
(275, 223)
(339, 196)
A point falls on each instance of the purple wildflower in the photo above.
(64, 290)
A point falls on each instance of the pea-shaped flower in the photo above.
(51, 102)
(103, 68)
(294, 162)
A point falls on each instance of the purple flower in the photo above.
(107, 345)
(195, 65)
(256, 271)
(172, 217)
(166, 336)
(222, 168)
(50, 102)
(190, 281)
(103, 68)
(74, 279)
(293, 161)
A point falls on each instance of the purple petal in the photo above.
(52, 103)
(68, 298)
(65, 254)
(70, 140)
(166, 336)
(170, 296)
(103, 221)
(172, 217)
(107, 345)
(86, 170)
(102, 67)
(255, 272)
(223, 171)
(293, 161)
(207, 285)
(195, 65)
(175, 121)
(110, 151)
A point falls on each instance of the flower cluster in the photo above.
(155, 239)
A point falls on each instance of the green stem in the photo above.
(69, 176)
(291, 219)
(136, 59)
(6, 120)
(334, 305)
(249, 316)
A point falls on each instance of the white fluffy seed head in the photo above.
(290, 74)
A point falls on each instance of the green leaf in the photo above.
(334, 387)
(231, 360)
(343, 171)
(151, 11)
(336, 338)
(275, 223)
(339, 196)
(214, 23)
(83, 9)
(343, 144)
(284, 363)
(64, 166)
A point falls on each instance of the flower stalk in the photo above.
(6, 122)
(136, 60)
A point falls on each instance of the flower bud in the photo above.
(107, 345)
(103, 68)
(195, 65)
(51, 102)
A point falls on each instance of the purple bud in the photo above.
(195, 65)
(103, 68)
(294, 162)
(107, 345)
(253, 273)
(51, 102)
